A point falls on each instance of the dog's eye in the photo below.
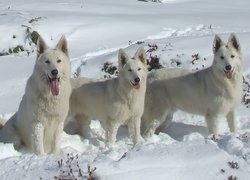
(232, 56)
(222, 57)
(59, 60)
(47, 62)
(130, 70)
(139, 69)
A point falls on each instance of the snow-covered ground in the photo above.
(95, 30)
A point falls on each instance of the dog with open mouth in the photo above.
(115, 102)
(212, 92)
(54, 82)
(38, 124)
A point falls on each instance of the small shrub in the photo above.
(246, 91)
(36, 19)
(110, 70)
(139, 42)
(91, 175)
(157, 1)
(71, 169)
(222, 171)
(153, 62)
(195, 57)
(152, 48)
(233, 165)
(175, 61)
(30, 35)
(123, 156)
(13, 50)
(232, 177)
(3, 53)
(34, 37)
(17, 49)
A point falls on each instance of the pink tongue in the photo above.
(229, 75)
(54, 87)
(137, 86)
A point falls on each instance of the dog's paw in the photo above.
(148, 134)
(214, 137)
(57, 151)
(110, 145)
(139, 141)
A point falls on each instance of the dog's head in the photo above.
(133, 69)
(53, 64)
(227, 56)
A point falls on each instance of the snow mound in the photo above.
(238, 145)
(7, 150)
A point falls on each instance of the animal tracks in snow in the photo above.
(197, 30)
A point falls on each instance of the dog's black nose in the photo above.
(54, 72)
(228, 67)
(137, 80)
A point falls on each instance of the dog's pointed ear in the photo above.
(63, 45)
(234, 42)
(141, 55)
(41, 46)
(217, 43)
(123, 57)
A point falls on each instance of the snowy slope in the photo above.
(95, 30)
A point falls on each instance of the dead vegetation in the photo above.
(110, 70)
(27, 43)
(232, 177)
(233, 165)
(70, 169)
(246, 90)
(157, 1)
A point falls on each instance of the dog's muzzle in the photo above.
(229, 71)
(136, 83)
(54, 82)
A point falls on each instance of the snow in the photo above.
(95, 30)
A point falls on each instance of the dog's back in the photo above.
(91, 99)
(167, 73)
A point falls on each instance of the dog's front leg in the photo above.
(37, 138)
(231, 120)
(58, 134)
(151, 127)
(111, 131)
(212, 123)
(164, 126)
(134, 127)
(83, 123)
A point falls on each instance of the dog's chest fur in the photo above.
(48, 107)
(129, 103)
(228, 95)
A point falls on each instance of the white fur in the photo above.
(114, 102)
(167, 73)
(208, 92)
(38, 123)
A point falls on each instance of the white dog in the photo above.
(38, 123)
(114, 101)
(167, 73)
(212, 92)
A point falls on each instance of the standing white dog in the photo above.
(115, 101)
(214, 91)
(38, 123)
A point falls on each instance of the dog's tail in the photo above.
(4, 121)
(1, 125)
(1, 122)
